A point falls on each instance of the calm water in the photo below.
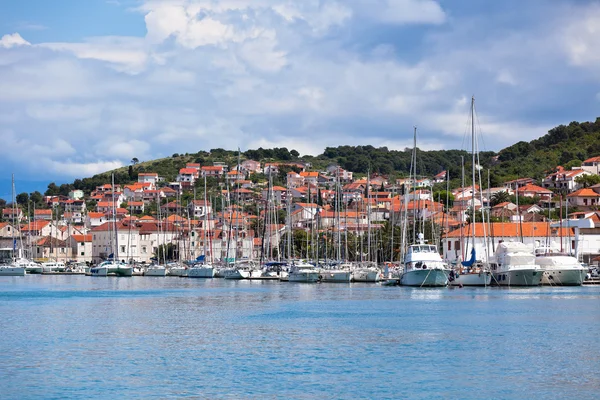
(82, 337)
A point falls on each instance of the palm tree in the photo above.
(500, 197)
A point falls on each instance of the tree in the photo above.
(294, 154)
(36, 198)
(22, 198)
(587, 180)
(53, 190)
(134, 160)
(500, 197)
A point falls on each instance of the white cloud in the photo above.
(581, 37)
(12, 40)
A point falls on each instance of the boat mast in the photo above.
(115, 243)
(473, 174)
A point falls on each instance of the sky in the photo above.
(85, 86)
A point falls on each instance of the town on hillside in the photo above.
(251, 209)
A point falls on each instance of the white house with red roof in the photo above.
(81, 247)
(592, 165)
(563, 179)
(43, 214)
(294, 179)
(187, 177)
(531, 190)
(310, 177)
(148, 177)
(93, 219)
(10, 214)
(585, 197)
(213, 170)
(6, 230)
(251, 166)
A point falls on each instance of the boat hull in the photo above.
(424, 278)
(520, 277)
(201, 272)
(159, 271)
(563, 277)
(237, 274)
(99, 271)
(178, 271)
(472, 279)
(335, 276)
(364, 275)
(304, 276)
(12, 271)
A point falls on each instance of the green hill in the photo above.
(564, 145)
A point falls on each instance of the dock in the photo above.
(592, 281)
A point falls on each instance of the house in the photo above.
(187, 177)
(235, 175)
(94, 219)
(7, 230)
(251, 166)
(148, 177)
(10, 214)
(136, 190)
(585, 197)
(136, 207)
(51, 248)
(74, 206)
(45, 215)
(244, 195)
(199, 208)
(294, 179)
(214, 171)
(195, 166)
(531, 190)
(514, 184)
(441, 177)
(81, 247)
(564, 180)
(592, 165)
(310, 177)
(278, 193)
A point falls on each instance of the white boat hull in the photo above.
(424, 278)
(156, 271)
(304, 276)
(366, 275)
(201, 272)
(12, 271)
(237, 274)
(99, 271)
(472, 279)
(335, 276)
(178, 271)
(519, 277)
(563, 277)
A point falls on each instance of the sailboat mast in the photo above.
(473, 172)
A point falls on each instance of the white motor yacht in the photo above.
(513, 264)
(423, 266)
(560, 269)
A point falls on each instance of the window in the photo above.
(449, 245)
(457, 245)
(122, 249)
(82, 253)
(143, 249)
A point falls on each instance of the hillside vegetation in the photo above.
(566, 145)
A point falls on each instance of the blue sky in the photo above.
(87, 85)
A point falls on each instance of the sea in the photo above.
(80, 337)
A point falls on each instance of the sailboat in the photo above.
(423, 265)
(471, 272)
(14, 268)
(206, 269)
(112, 266)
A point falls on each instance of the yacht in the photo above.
(12, 270)
(201, 271)
(107, 268)
(53, 266)
(368, 272)
(31, 267)
(513, 264)
(303, 272)
(336, 275)
(155, 270)
(560, 269)
(423, 266)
